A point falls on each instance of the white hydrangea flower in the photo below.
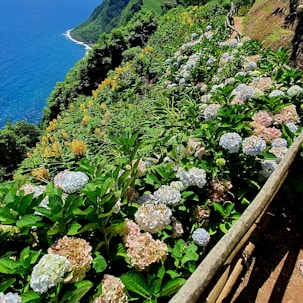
(167, 195)
(201, 237)
(253, 146)
(194, 177)
(231, 142)
(178, 185)
(10, 298)
(48, 272)
(276, 93)
(210, 111)
(70, 182)
(294, 90)
(153, 217)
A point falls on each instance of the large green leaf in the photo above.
(31, 297)
(28, 221)
(172, 286)
(135, 282)
(77, 291)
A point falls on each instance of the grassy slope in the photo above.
(111, 14)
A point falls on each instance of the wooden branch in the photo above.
(228, 20)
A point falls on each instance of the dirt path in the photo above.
(272, 275)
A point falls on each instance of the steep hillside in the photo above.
(113, 13)
(277, 23)
(153, 146)
(103, 19)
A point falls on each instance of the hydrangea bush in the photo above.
(178, 142)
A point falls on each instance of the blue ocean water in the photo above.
(35, 53)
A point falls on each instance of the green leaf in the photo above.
(76, 291)
(30, 297)
(6, 284)
(28, 221)
(155, 286)
(99, 264)
(135, 282)
(190, 254)
(55, 229)
(173, 274)
(172, 286)
(8, 266)
(74, 229)
(219, 208)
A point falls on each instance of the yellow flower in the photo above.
(41, 174)
(103, 106)
(78, 148)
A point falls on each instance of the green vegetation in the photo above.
(15, 142)
(112, 13)
(151, 149)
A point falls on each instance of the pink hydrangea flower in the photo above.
(78, 253)
(113, 291)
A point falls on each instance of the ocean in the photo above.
(35, 52)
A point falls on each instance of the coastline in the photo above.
(69, 36)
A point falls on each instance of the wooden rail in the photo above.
(213, 273)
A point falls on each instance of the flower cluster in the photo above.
(276, 93)
(153, 217)
(113, 291)
(70, 182)
(177, 228)
(244, 92)
(263, 118)
(167, 195)
(10, 298)
(48, 272)
(230, 142)
(294, 91)
(287, 114)
(142, 249)
(201, 213)
(201, 237)
(193, 177)
(219, 190)
(78, 253)
(195, 147)
(268, 166)
(253, 146)
(210, 111)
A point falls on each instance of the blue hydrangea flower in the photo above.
(201, 237)
(231, 142)
(279, 142)
(70, 181)
(253, 146)
(10, 298)
(292, 126)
